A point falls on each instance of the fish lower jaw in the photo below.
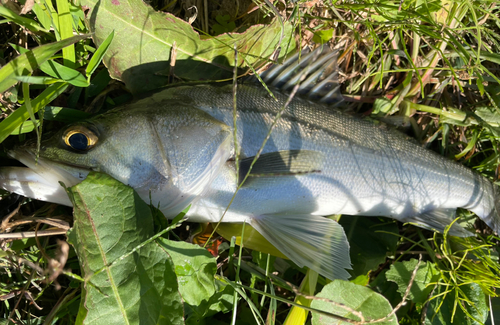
(25, 182)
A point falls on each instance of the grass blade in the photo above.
(16, 119)
(26, 63)
(66, 31)
(23, 21)
(98, 55)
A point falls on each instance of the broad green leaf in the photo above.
(488, 115)
(27, 62)
(196, 274)
(473, 300)
(195, 268)
(140, 52)
(370, 240)
(370, 304)
(387, 289)
(401, 272)
(17, 118)
(99, 54)
(125, 282)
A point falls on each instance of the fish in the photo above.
(281, 164)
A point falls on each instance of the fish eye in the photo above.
(80, 138)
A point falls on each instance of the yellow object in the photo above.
(251, 238)
(298, 315)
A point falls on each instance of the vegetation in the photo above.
(430, 67)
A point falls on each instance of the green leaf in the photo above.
(195, 268)
(37, 80)
(370, 240)
(57, 70)
(99, 54)
(125, 282)
(323, 36)
(361, 299)
(20, 20)
(451, 310)
(401, 272)
(42, 14)
(27, 62)
(98, 83)
(26, 127)
(66, 31)
(488, 115)
(140, 52)
(387, 289)
(63, 114)
(17, 118)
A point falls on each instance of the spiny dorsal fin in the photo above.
(282, 163)
(320, 82)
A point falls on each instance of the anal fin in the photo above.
(438, 220)
(313, 241)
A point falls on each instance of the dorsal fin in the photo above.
(320, 82)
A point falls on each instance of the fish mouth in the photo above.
(41, 179)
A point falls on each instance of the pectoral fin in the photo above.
(282, 163)
(313, 241)
(438, 220)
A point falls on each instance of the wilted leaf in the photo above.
(121, 287)
(361, 299)
(401, 273)
(370, 240)
(441, 312)
(140, 52)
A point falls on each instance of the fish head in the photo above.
(168, 153)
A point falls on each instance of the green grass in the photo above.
(433, 65)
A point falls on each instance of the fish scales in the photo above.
(176, 147)
(372, 169)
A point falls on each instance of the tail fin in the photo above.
(317, 72)
(493, 219)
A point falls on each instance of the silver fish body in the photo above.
(365, 168)
(176, 146)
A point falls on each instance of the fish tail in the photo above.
(487, 206)
(494, 217)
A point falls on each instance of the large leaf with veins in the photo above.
(140, 52)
